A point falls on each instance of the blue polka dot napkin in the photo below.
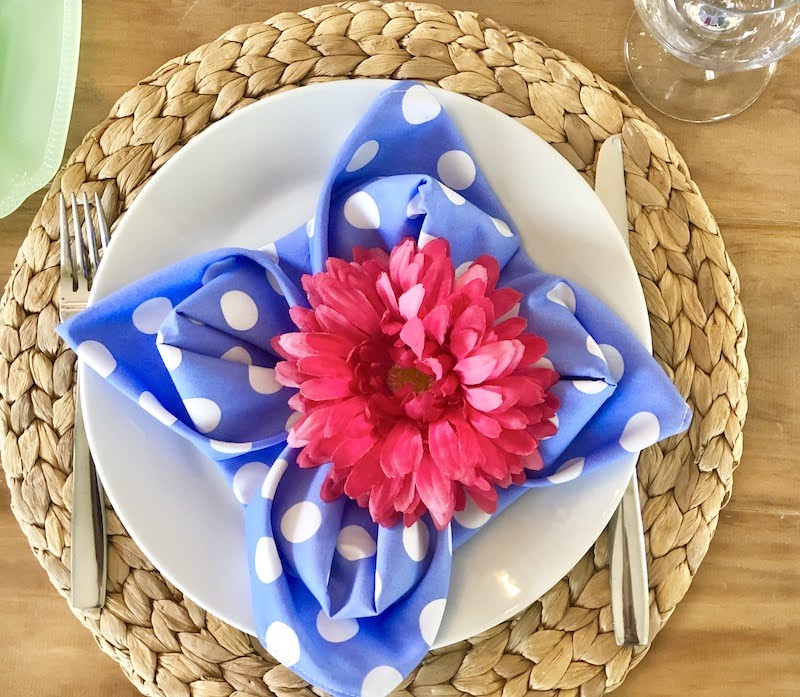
(350, 606)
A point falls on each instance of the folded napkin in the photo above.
(350, 605)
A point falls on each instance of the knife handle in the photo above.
(630, 594)
(88, 564)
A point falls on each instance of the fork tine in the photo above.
(101, 221)
(80, 250)
(91, 241)
(63, 231)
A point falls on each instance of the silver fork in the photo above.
(79, 264)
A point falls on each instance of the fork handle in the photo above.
(88, 566)
(630, 595)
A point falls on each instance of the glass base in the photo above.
(683, 91)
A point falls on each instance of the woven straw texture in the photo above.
(563, 644)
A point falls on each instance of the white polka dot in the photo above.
(248, 479)
(97, 357)
(355, 543)
(430, 618)
(502, 227)
(292, 420)
(378, 586)
(204, 413)
(301, 521)
(423, 239)
(562, 294)
(267, 561)
(363, 156)
(147, 318)
(463, 268)
(310, 228)
(513, 312)
(281, 643)
(171, 356)
(593, 348)
(271, 251)
(262, 380)
(273, 477)
(616, 365)
(361, 211)
(148, 402)
(273, 282)
(415, 540)
(569, 470)
(414, 207)
(472, 516)
(590, 386)
(420, 105)
(336, 630)
(454, 196)
(456, 169)
(230, 447)
(641, 431)
(239, 310)
(237, 354)
(544, 362)
(380, 681)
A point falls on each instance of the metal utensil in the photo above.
(630, 600)
(78, 267)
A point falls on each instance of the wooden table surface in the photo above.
(737, 632)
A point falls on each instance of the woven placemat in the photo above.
(562, 644)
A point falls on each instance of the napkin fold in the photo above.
(351, 606)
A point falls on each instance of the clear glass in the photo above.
(699, 60)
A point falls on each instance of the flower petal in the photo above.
(517, 442)
(503, 299)
(510, 328)
(322, 389)
(386, 291)
(348, 452)
(444, 448)
(535, 348)
(438, 282)
(402, 450)
(483, 399)
(304, 318)
(365, 474)
(436, 323)
(476, 368)
(410, 301)
(413, 334)
(435, 491)
(483, 423)
(337, 326)
(492, 267)
(309, 427)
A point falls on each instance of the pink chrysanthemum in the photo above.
(410, 385)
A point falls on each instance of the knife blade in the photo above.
(630, 599)
(609, 183)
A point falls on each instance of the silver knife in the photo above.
(630, 599)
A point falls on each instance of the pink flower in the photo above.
(412, 385)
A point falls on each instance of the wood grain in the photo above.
(737, 632)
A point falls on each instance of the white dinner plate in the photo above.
(250, 179)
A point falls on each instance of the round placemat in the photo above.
(563, 644)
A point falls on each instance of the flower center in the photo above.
(397, 378)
